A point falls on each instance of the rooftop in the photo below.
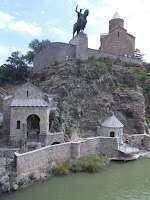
(29, 103)
(116, 16)
(112, 122)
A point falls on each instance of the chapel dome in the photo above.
(112, 122)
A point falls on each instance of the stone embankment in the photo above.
(4, 179)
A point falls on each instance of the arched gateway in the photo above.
(33, 127)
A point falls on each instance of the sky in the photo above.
(22, 21)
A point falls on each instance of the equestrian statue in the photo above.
(81, 21)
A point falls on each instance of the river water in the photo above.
(118, 181)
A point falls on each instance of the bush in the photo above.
(90, 164)
(61, 169)
(42, 77)
(129, 113)
(141, 73)
(32, 175)
(81, 93)
(78, 61)
(60, 105)
(68, 131)
(52, 116)
(55, 63)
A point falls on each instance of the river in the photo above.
(118, 181)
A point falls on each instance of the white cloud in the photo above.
(60, 32)
(5, 52)
(9, 22)
(25, 27)
(82, 2)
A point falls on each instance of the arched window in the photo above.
(112, 134)
(18, 124)
(27, 93)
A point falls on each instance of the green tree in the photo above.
(15, 69)
(36, 46)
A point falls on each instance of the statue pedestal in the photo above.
(81, 42)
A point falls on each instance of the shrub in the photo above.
(55, 63)
(68, 131)
(42, 77)
(52, 116)
(32, 175)
(12, 177)
(61, 169)
(129, 113)
(81, 93)
(60, 105)
(78, 61)
(141, 73)
(123, 84)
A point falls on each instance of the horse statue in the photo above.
(81, 23)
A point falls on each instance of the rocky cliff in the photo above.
(89, 91)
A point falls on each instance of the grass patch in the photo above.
(123, 84)
(89, 164)
(55, 63)
(141, 73)
(32, 176)
(78, 61)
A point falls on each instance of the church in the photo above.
(118, 40)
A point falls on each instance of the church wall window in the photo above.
(18, 124)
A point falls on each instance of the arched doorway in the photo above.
(33, 127)
(112, 134)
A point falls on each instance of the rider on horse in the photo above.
(79, 15)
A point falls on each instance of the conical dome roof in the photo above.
(116, 16)
(112, 122)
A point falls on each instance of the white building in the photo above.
(111, 127)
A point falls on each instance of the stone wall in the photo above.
(55, 137)
(40, 159)
(77, 49)
(101, 54)
(53, 52)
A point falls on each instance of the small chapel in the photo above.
(118, 40)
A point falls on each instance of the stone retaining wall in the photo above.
(40, 159)
(55, 137)
(98, 53)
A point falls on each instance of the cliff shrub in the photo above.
(78, 61)
(81, 93)
(62, 168)
(68, 131)
(55, 63)
(42, 77)
(140, 73)
(60, 105)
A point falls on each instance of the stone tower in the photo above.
(115, 21)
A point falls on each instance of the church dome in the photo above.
(115, 21)
(116, 16)
(112, 122)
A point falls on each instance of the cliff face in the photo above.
(90, 91)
